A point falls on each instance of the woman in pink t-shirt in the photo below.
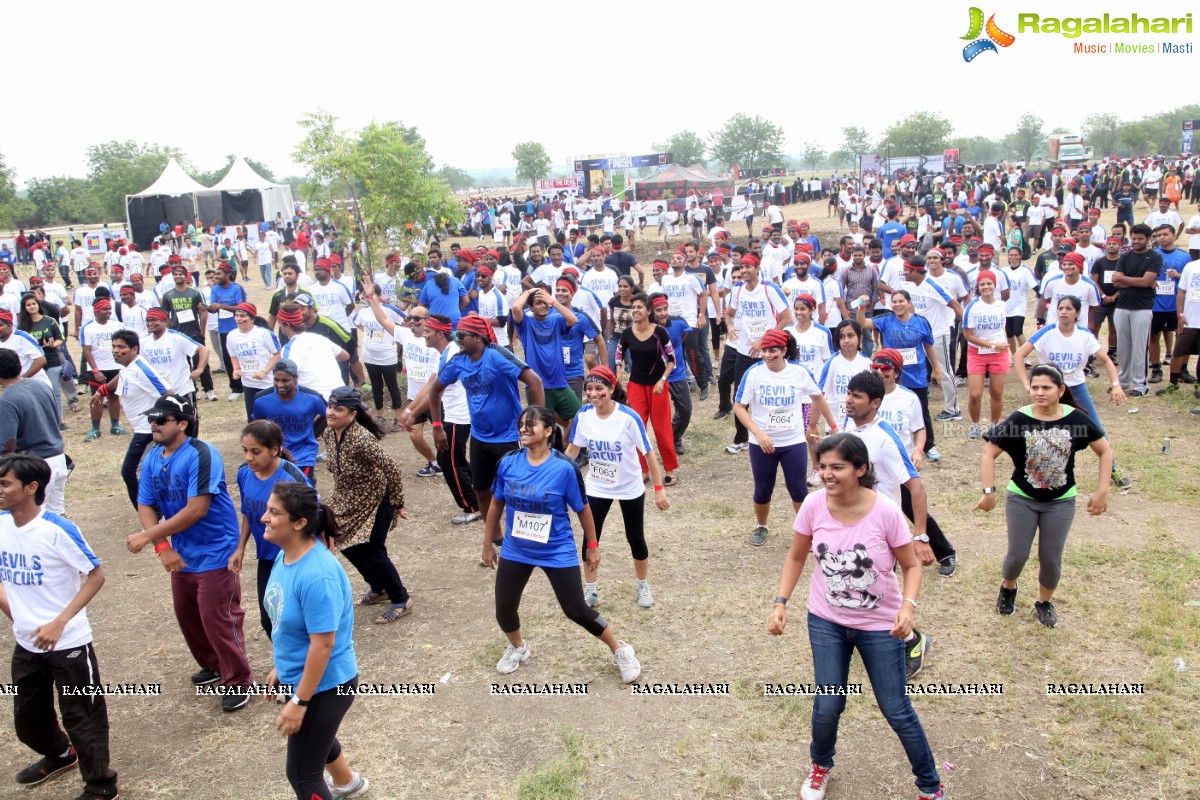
(854, 603)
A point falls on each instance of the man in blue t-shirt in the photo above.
(224, 299)
(890, 231)
(489, 374)
(299, 413)
(677, 381)
(543, 332)
(187, 514)
(1164, 320)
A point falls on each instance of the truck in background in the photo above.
(1068, 150)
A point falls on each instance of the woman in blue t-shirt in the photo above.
(444, 294)
(536, 488)
(312, 613)
(267, 463)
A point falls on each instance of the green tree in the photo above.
(1028, 137)
(1135, 137)
(686, 148)
(812, 156)
(120, 168)
(533, 163)
(855, 143)
(8, 193)
(457, 178)
(750, 142)
(921, 134)
(374, 183)
(977, 149)
(62, 200)
(1102, 132)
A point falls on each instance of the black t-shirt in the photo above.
(1136, 265)
(44, 330)
(1043, 451)
(705, 271)
(186, 303)
(1020, 210)
(621, 261)
(648, 359)
(620, 316)
(1100, 268)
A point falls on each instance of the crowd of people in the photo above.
(825, 358)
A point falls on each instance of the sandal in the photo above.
(394, 612)
(670, 480)
(372, 598)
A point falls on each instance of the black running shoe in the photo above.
(914, 654)
(1045, 613)
(948, 566)
(1006, 603)
(205, 677)
(235, 697)
(47, 768)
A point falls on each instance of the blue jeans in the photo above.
(612, 353)
(1083, 401)
(265, 270)
(883, 657)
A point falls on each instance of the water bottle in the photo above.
(1166, 448)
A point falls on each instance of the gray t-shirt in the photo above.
(27, 415)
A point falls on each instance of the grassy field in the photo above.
(1129, 609)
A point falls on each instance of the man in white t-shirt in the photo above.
(316, 357)
(1165, 216)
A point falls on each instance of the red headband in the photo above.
(477, 325)
(775, 338)
(249, 308)
(321, 263)
(808, 300)
(750, 259)
(485, 271)
(293, 318)
(891, 356)
(157, 313)
(987, 274)
(6, 316)
(566, 283)
(437, 325)
(103, 304)
(467, 255)
(661, 301)
(604, 375)
(124, 290)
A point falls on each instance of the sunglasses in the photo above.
(883, 367)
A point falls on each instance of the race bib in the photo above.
(418, 373)
(534, 527)
(602, 473)
(223, 314)
(1107, 277)
(566, 354)
(1165, 287)
(675, 307)
(104, 343)
(374, 334)
(1193, 295)
(910, 355)
(185, 315)
(756, 328)
(782, 419)
(250, 365)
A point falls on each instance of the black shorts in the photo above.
(109, 374)
(1150, 192)
(353, 346)
(1014, 326)
(1162, 321)
(485, 457)
(422, 418)
(1101, 313)
(1187, 343)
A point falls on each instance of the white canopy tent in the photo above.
(276, 197)
(173, 198)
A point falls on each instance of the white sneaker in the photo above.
(513, 658)
(814, 784)
(210, 395)
(736, 448)
(814, 479)
(645, 598)
(358, 786)
(234, 396)
(627, 663)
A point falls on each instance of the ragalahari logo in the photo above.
(995, 36)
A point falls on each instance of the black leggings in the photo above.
(379, 375)
(681, 402)
(315, 744)
(371, 558)
(511, 577)
(922, 393)
(741, 434)
(633, 511)
(942, 549)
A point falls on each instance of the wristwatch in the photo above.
(924, 537)
(296, 701)
(989, 490)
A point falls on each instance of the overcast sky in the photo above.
(476, 78)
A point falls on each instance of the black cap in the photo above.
(171, 405)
